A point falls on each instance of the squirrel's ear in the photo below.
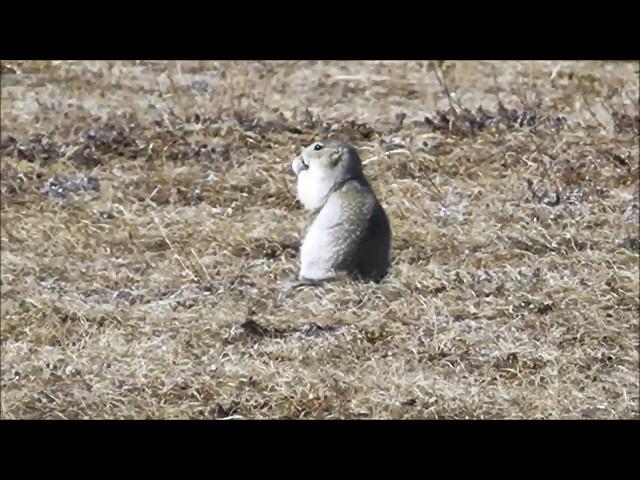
(335, 156)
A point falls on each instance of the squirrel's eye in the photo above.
(317, 146)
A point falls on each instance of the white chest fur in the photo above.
(312, 189)
(319, 245)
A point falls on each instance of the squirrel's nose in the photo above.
(298, 165)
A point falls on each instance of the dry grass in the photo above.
(147, 221)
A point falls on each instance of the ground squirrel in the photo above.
(350, 235)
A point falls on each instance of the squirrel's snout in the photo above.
(298, 165)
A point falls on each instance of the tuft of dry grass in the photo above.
(147, 220)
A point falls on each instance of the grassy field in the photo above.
(148, 220)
